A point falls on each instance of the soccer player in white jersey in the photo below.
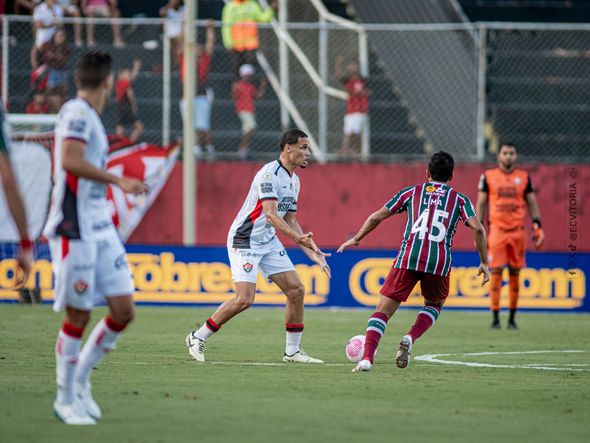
(88, 257)
(252, 245)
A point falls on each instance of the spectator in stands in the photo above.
(239, 31)
(25, 7)
(126, 104)
(71, 9)
(173, 11)
(357, 108)
(244, 93)
(47, 17)
(204, 98)
(55, 55)
(38, 105)
(105, 9)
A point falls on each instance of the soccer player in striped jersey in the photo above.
(252, 245)
(88, 257)
(15, 203)
(434, 209)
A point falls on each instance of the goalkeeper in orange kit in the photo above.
(508, 192)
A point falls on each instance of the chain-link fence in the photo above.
(462, 88)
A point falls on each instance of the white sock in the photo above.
(205, 331)
(292, 342)
(67, 350)
(101, 340)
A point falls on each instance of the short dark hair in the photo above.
(510, 144)
(441, 166)
(291, 137)
(92, 69)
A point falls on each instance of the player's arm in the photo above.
(369, 225)
(73, 161)
(135, 70)
(479, 234)
(320, 260)
(481, 205)
(17, 209)
(538, 233)
(270, 208)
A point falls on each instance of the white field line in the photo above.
(436, 358)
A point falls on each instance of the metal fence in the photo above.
(462, 88)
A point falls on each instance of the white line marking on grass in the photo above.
(255, 363)
(435, 358)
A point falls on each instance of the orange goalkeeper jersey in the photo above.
(506, 197)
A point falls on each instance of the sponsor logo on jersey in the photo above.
(247, 266)
(282, 253)
(436, 190)
(266, 187)
(267, 176)
(80, 287)
(77, 125)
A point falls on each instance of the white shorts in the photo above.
(88, 271)
(354, 123)
(245, 263)
(248, 120)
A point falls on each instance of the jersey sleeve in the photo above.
(399, 202)
(483, 184)
(267, 186)
(466, 209)
(75, 122)
(529, 185)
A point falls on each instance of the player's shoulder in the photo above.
(269, 170)
(76, 107)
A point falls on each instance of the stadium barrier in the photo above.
(459, 87)
(202, 276)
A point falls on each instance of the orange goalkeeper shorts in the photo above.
(506, 248)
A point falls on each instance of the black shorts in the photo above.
(125, 115)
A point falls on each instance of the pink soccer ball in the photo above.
(355, 348)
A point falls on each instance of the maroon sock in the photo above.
(424, 320)
(375, 329)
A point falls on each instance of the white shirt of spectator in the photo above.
(78, 205)
(46, 16)
(174, 22)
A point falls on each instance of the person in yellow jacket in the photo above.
(239, 30)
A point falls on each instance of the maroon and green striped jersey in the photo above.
(434, 209)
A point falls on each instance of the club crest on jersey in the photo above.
(517, 180)
(247, 266)
(267, 176)
(80, 287)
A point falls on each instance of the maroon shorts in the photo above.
(400, 282)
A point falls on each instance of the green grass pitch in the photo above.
(150, 391)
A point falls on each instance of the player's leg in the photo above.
(516, 261)
(498, 259)
(113, 281)
(73, 263)
(244, 266)
(435, 290)
(277, 266)
(396, 289)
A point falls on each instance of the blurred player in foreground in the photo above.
(252, 245)
(508, 191)
(88, 257)
(434, 210)
(15, 203)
